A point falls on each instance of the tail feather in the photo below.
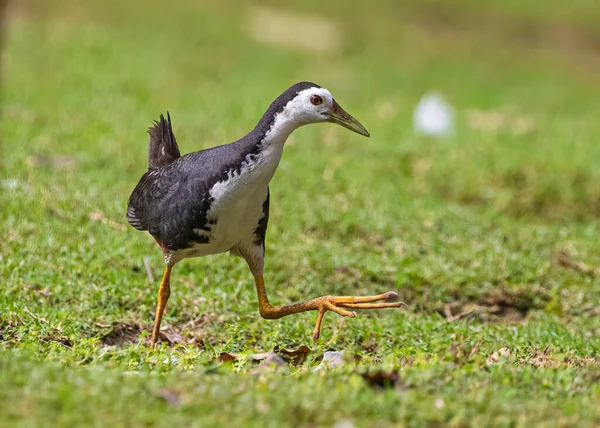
(162, 149)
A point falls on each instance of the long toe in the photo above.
(390, 296)
(333, 306)
(372, 305)
(368, 302)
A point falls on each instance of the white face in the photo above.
(312, 105)
(309, 106)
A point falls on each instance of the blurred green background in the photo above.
(489, 234)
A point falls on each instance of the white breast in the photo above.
(238, 215)
(237, 205)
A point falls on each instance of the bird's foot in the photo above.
(338, 303)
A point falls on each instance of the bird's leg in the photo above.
(322, 304)
(164, 291)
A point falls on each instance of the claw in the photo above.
(391, 295)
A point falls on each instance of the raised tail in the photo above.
(162, 149)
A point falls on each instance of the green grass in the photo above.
(490, 236)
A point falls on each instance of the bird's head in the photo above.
(306, 102)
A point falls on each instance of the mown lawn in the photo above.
(490, 236)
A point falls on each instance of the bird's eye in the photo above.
(316, 100)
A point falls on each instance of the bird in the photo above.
(216, 200)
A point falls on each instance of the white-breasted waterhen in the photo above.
(217, 200)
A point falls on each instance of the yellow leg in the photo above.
(322, 304)
(164, 291)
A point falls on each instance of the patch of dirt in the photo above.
(507, 307)
(564, 259)
(539, 359)
(544, 359)
(381, 379)
(122, 333)
(129, 332)
(462, 351)
(8, 330)
(59, 338)
(571, 361)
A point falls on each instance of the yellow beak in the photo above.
(338, 115)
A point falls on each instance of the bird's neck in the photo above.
(278, 130)
(267, 141)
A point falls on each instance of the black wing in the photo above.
(172, 202)
(170, 207)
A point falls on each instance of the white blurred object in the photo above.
(433, 116)
(331, 359)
